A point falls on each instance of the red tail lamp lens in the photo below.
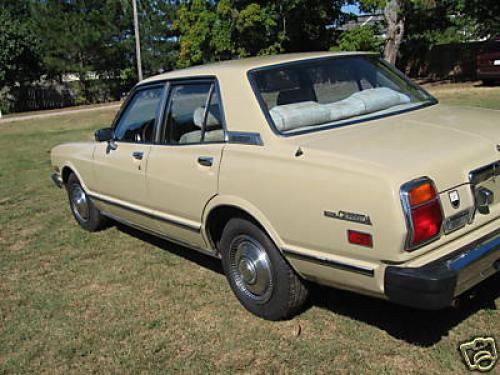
(360, 238)
(423, 211)
(427, 221)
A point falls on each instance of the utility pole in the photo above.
(137, 41)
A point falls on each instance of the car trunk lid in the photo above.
(441, 142)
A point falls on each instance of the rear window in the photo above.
(312, 94)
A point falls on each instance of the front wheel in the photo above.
(82, 207)
(259, 276)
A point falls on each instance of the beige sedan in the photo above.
(320, 167)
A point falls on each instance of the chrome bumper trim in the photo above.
(478, 252)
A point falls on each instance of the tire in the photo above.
(82, 207)
(259, 276)
(489, 82)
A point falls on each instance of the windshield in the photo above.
(309, 95)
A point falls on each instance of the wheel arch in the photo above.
(221, 209)
(69, 168)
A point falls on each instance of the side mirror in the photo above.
(104, 135)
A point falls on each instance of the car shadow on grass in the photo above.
(416, 327)
(203, 260)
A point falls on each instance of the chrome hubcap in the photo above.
(79, 202)
(251, 268)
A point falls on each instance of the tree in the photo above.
(159, 43)
(83, 36)
(19, 58)
(211, 31)
(484, 13)
(362, 38)
(395, 12)
(230, 28)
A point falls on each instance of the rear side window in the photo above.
(137, 122)
(194, 115)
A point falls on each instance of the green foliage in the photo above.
(362, 38)
(97, 36)
(159, 44)
(18, 49)
(81, 37)
(211, 31)
(194, 23)
(216, 32)
(373, 5)
(484, 14)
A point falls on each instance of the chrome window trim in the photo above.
(244, 138)
(213, 81)
(405, 202)
(127, 101)
(205, 114)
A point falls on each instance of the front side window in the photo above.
(194, 115)
(328, 92)
(137, 122)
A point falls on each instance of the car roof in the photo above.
(242, 66)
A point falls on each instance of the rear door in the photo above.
(183, 167)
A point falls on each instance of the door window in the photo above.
(138, 120)
(194, 115)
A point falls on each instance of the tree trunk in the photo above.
(395, 30)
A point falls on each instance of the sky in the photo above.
(351, 8)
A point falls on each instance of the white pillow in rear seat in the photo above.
(380, 98)
(297, 115)
(346, 108)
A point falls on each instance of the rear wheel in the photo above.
(262, 280)
(82, 207)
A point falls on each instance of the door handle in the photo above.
(138, 155)
(206, 161)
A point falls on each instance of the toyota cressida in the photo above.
(331, 168)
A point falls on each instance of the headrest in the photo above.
(213, 117)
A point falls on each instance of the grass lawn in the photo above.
(469, 93)
(121, 302)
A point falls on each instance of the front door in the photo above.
(183, 167)
(120, 166)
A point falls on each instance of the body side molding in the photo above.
(330, 263)
(193, 228)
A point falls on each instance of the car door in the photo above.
(120, 166)
(183, 167)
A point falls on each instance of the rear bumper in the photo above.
(57, 180)
(435, 285)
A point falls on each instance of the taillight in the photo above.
(423, 212)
